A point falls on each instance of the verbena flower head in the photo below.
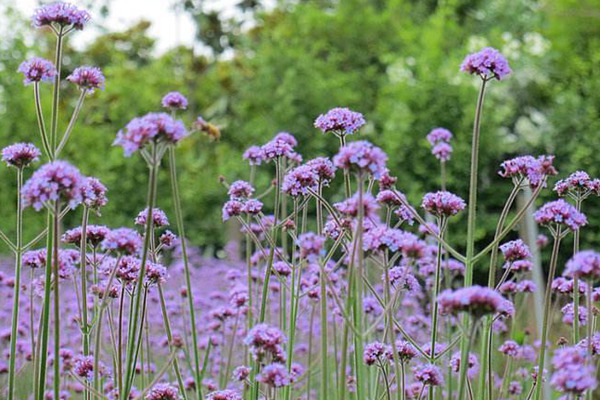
(341, 121)
(163, 391)
(560, 213)
(37, 70)
(55, 181)
(240, 190)
(123, 241)
(438, 135)
(95, 234)
(487, 63)
(226, 394)
(574, 373)
(377, 352)
(579, 185)
(287, 138)
(94, 194)
(475, 300)
(443, 204)
(62, 14)
(429, 374)
(20, 155)
(159, 218)
(362, 156)
(275, 375)
(515, 250)
(264, 339)
(87, 78)
(311, 245)
(535, 170)
(254, 155)
(324, 169)
(406, 351)
(299, 180)
(584, 264)
(278, 148)
(174, 101)
(442, 151)
(151, 127)
(472, 368)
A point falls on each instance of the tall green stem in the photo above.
(56, 91)
(17, 289)
(186, 263)
(361, 386)
(136, 324)
(72, 122)
(40, 119)
(547, 304)
(471, 219)
(576, 295)
(55, 241)
(436, 292)
(85, 328)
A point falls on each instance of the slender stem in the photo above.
(186, 264)
(17, 290)
(443, 175)
(72, 122)
(576, 295)
(55, 241)
(547, 304)
(436, 292)
(136, 323)
(389, 322)
(167, 324)
(40, 119)
(85, 328)
(324, 338)
(464, 358)
(473, 180)
(56, 92)
(361, 387)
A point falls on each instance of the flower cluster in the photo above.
(37, 70)
(475, 300)
(487, 63)
(87, 78)
(152, 127)
(443, 204)
(57, 181)
(439, 138)
(341, 121)
(535, 170)
(20, 155)
(61, 14)
(560, 213)
(361, 156)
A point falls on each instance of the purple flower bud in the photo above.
(487, 63)
(341, 121)
(37, 70)
(174, 101)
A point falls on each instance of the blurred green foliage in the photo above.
(270, 70)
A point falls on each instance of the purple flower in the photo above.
(240, 190)
(560, 212)
(254, 155)
(287, 138)
(95, 234)
(473, 368)
(429, 374)
(84, 367)
(151, 127)
(401, 278)
(127, 268)
(155, 274)
(574, 373)
(93, 193)
(475, 300)
(232, 208)
(87, 78)
(349, 207)
(163, 391)
(509, 348)
(55, 181)
(241, 373)
(168, 239)
(274, 375)
(405, 350)
(568, 312)
(174, 101)
(224, 395)
(515, 250)
(376, 352)
(363, 157)
(159, 218)
(324, 169)
(341, 121)
(20, 155)
(487, 63)
(442, 151)
(62, 14)
(310, 245)
(299, 180)
(439, 135)
(253, 207)
(37, 70)
(443, 204)
(535, 170)
(123, 240)
(585, 264)
(579, 185)
(264, 339)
